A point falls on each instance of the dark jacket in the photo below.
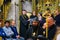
(57, 18)
(2, 33)
(23, 25)
(37, 30)
(14, 29)
(42, 22)
(32, 16)
(51, 32)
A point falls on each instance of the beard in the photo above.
(35, 28)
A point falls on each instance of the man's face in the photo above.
(35, 23)
(34, 13)
(24, 12)
(50, 22)
(13, 23)
(7, 24)
(57, 13)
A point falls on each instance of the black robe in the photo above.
(57, 18)
(37, 29)
(32, 16)
(51, 32)
(23, 25)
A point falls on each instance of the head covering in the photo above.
(33, 19)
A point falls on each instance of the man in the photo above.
(14, 29)
(8, 31)
(23, 24)
(51, 27)
(34, 30)
(57, 18)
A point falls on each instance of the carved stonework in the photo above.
(51, 4)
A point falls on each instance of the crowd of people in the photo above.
(33, 28)
(9, 31)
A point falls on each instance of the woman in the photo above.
(33, 15)
(41, 19)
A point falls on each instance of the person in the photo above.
(23, 24)
(51, 28)
(33, 15)
(41, 19)
(34, 30)
(14, 29)
(8, 30)
(2, 33)
(57, 18)
(39, 16)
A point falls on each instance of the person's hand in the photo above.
(28, 19)
(44, 25)
(18, 36)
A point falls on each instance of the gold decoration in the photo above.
(33, 5)
(39, 7)
(0, 38)
(46, 28)
(1, 2)
(48, 2)
(46, 14)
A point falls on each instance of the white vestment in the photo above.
(58, 37)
